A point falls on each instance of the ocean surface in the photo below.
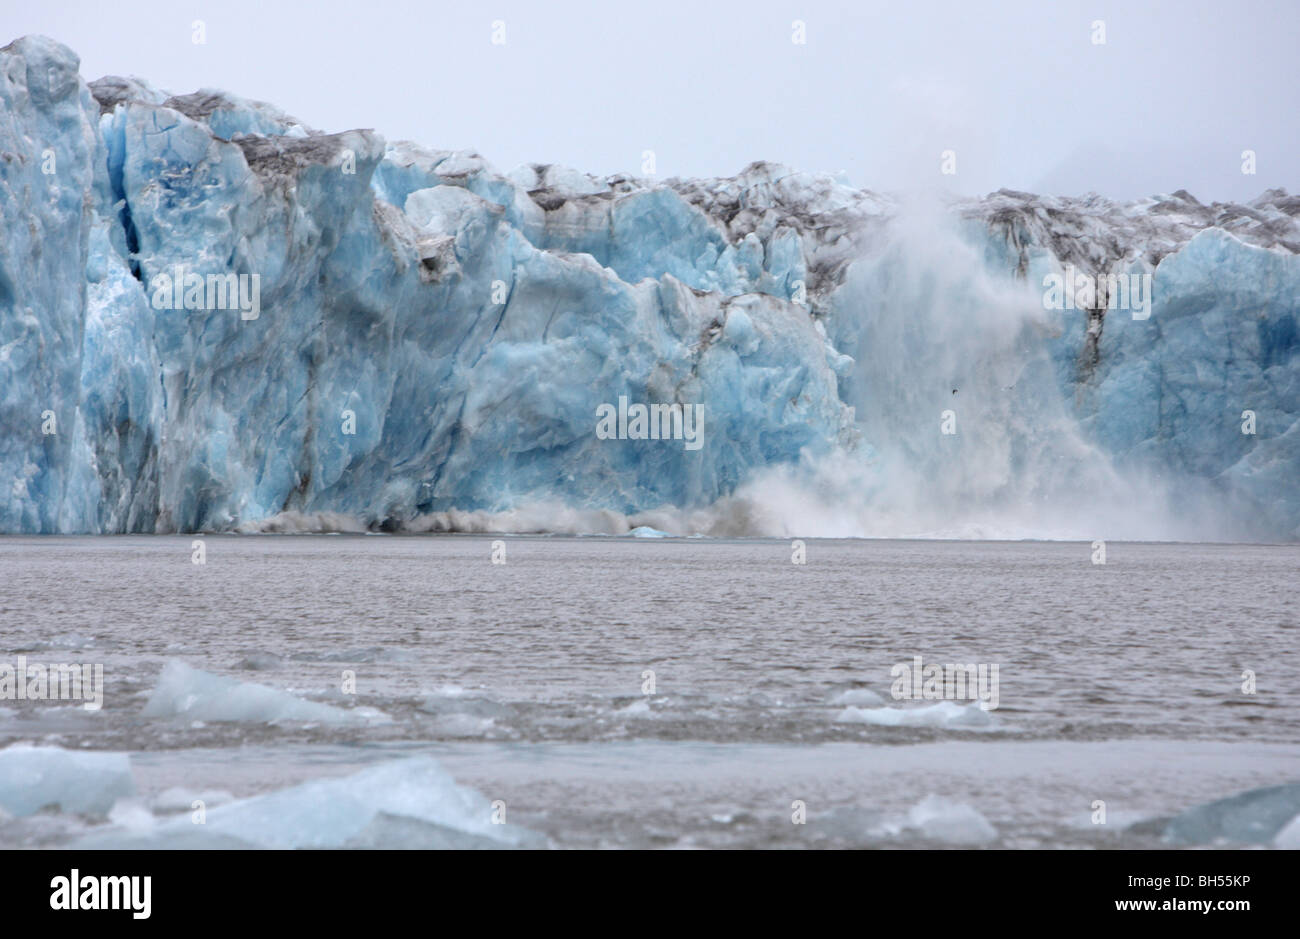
(771, 722)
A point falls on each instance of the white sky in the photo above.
(1017, 88)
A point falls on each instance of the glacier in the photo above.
(432, 339)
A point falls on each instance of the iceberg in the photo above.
(34, 778)
(187, 693)
(409, 803)
(457, 714)
(214, 317)
(940, 714)
(1258, 816)
(950, 822)
(1289, 837)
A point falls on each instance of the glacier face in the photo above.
(431, 340)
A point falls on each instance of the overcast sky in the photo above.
(1018, 90)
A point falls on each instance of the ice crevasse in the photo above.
(391, 337)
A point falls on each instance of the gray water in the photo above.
(526, 679)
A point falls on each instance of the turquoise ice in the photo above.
(433, 338)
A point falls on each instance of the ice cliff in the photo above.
(411, 339)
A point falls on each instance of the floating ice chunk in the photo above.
(132, 814)
(951, 822)
(645, 531)
(857, 697)
(458, 702)
(1256, 816)
(1289, 836)
(196, 695)
(32, 778)
(940, 714)
(410, 803)
(461, 715)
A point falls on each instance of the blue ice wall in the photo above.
(418, 333)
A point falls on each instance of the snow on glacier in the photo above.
(434, 338)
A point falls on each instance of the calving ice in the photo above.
(917, 681)
(1081, 291)
(651, 422)
(75, 892)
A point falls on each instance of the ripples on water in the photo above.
(542, 662)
